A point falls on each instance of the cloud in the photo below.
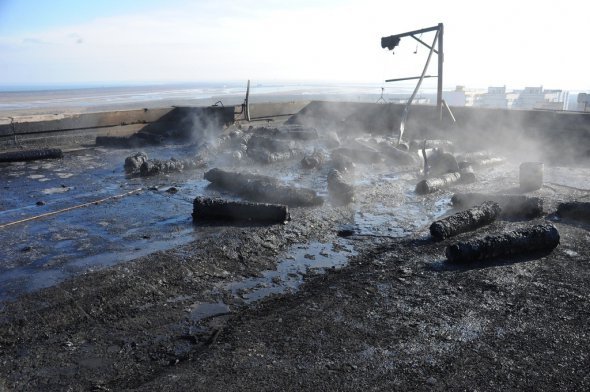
(308, 40)
(34, 41)
(76, 38)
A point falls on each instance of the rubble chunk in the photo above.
(441, 163)
(265, 156)
(397, 155)
(313, 161)
(339, 190)
(467, 175)
(133, 163)
(155, 166)
(268, 143)
(341, 162)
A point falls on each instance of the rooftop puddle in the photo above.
(291, 270)
(204, 310)
(401, 221)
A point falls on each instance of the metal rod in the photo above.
(449, 110)
(424, 43)
(411, 78)
(441, 59)
(402, 125)
(247, 102)
(410, 33)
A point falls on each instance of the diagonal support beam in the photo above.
(424, 43)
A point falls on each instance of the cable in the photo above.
(69, 208)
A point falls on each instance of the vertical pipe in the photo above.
(247, 102)
(441, 59)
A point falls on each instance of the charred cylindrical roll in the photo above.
(527, 240)
(431, 185)
(511, 205)
(31, 155)
(576, 210)
(263, 188)
(465, 221)
(208, 209)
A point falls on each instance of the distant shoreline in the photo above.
(99, 99)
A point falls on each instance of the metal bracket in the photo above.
(393, 40)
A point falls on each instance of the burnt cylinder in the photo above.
(31, 155)
(511, 205)
(207, 209)
(532, 239)
(263, 188)
(576, 210)
(434, 184)
(464, 221)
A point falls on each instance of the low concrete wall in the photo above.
(82, 129)
(531, 133)
(73, 130)
(555, 136)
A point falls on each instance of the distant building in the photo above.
(537, 98)
(461, 96)
(496, 97)
(500, 97)
(583, 102)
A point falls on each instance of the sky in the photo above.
(513, 43)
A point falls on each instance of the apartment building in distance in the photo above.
(583, 102)
(500, 97)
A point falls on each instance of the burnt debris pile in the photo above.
(340, 191)
(442, 168)
(329, 163)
